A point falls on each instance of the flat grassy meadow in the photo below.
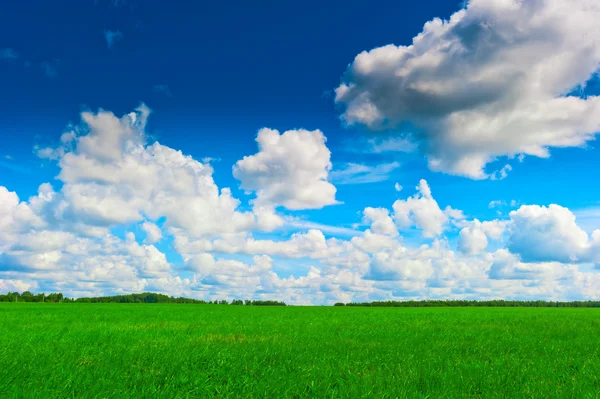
(186, 351)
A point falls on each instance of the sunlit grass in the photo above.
(178, 351)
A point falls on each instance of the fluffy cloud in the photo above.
(474, 237)
(546, 234)
(508, 266)
(113, 180)
(153, 232)
(423, 211)
(396, 265)
(111, 177)
(489, 82)
(380, 221)
(291, 170)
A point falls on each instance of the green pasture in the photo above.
(74, 350)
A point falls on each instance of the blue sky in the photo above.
(493, 119)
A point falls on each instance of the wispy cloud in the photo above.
(112, 37)
(8, 54)
(305, 224)
(502, 203)
(382, 145)
(114, 3)
(353, 173)
(13, 166)
(502, 173)
(392, 144)
(50, 68)
(164, 89)
(588, 218)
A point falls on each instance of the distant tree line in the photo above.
(27, 296)
(474, 303)
(145, 297)
(150, 297)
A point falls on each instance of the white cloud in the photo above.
(111, 176)
(397, 187)
(291, 170)
(382, 145)
(502, 173)
(508, 266)
(397, 266)
(353, 173)
(311, 244)
(496, 204)
(114, 180)
(380, 221)
(423, 211)
(17, 285)
(473, 238)
(546, 234)
(302, 224)
(487, 83)
(392, 144)
(153, 233)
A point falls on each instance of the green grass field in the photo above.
(180, 351)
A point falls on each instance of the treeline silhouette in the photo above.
(473, 303)
(150, 297)
(27, 296)
(145, 297)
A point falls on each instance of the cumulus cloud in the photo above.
(508, 266)
(423, 212)
(491, 81)
(153, 232)
(550, 234)
(291, 169)
(473, 238)
(113, 178)
(380, 221)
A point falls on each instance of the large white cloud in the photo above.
(508, 266)
(544, 234)
(489, 82)
(473, 238)
(114, 181)
(291, 170)
(112, 177)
